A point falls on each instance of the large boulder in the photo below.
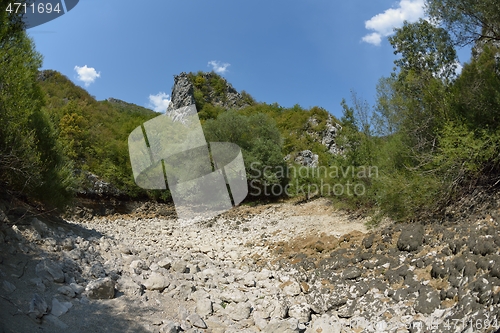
(282, 326)
(156, 282)
(94, 187)
(238, 311)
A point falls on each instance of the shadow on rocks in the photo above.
(44, 269)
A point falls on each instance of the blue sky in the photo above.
(306, 52)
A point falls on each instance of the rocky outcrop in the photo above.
(329, 136)
(227, 97)
(307, 158)
(117, 101)
(94, 187)
(183, 92)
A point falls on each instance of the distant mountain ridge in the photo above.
(123, 106)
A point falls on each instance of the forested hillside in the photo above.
(56, 135)
(93, 133)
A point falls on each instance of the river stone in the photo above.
(282, 326)
(368, 241)
(236, 296)
(291, 288)
(238, 311)
(103, 288)
(324, 324)
(351, 273)
(59, 308)
(49, 270)
(412, 236)
(301, 312)
(170, 327)
(180, 266)
(40, 227)
(156, 281)
(38, 307)
(427, 301)
(204, 307)
(195, 320)
(66, 291)
(8, 287)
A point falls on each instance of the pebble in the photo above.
(231, 281)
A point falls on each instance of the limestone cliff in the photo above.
(203, 88)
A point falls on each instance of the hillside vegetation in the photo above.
(55, 133)
(93, 133)
(432, 136)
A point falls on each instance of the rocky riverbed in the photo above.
(286, 267)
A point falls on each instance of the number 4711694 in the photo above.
(40, 8)
(475, 324)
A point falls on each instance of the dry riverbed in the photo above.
(283, 267)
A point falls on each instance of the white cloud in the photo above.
(159, 102)
(217, 67)
(87, 74)
(384, 23)
(373, 38)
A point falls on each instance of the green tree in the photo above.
(260, 142)
(31, 158)
(425, 50)
(469, 21)
(476, 94)
(423, 75)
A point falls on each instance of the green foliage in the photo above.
(294, 126)
(209, 111)
(210, 92)
(406, 195)
(247, 98)
(356, 134)
(425, 49)
(31, 159)
(437, 134)
(463, 152)
(468, 20)
(387, 115)
(430, 137)
(94, 134)
(260, 142)
(293, 123)
(476, 94)
(420, 87)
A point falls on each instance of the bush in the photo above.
(32, 162)
(260, 142)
